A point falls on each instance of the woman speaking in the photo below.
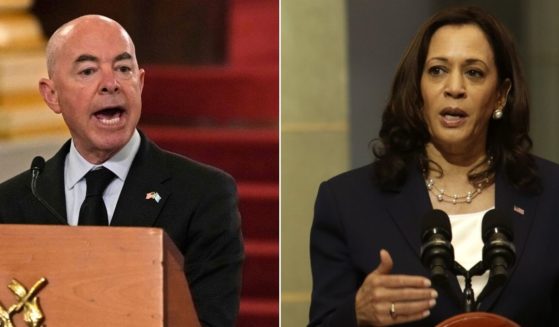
(454, 137)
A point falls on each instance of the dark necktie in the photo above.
(93, 210)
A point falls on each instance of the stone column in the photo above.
(314, 129)
(542, 31)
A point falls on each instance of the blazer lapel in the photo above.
(521, 208)
(144, 192)
(50, 185)
(407, 208)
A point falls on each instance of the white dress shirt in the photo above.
(76, 167)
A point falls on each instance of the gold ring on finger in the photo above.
(392, 311)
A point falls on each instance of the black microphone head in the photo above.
(436, 251)
(436, 220)
(38, 163)
(496, 219)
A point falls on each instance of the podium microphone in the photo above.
(437, 253)
(499, 253)
(37, 166)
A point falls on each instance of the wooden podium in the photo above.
(477, 319)
(96, 276)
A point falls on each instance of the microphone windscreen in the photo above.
(496, 219)
(38, 163)
(436, 219)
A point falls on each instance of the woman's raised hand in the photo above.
(384, 299)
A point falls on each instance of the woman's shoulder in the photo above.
(351, 187)
(359, 180)
(548, 173)
(356, 175)
(546, 168)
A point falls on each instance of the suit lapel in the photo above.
(522, 209)
(50, 185)
(407, 208)
(147, 174)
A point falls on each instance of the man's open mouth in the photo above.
(109, 116)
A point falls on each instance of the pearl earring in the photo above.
(497, 114)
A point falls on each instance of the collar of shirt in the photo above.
(76, 166)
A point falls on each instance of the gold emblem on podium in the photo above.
(26, 301)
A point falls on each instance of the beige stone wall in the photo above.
(314, 131)
(542, 33)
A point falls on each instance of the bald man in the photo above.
(95, 83)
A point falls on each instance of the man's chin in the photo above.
(105, 147)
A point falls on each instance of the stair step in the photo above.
(259, 208)
(247, 154)
(261, 269)
(210, 95)
(258, 312)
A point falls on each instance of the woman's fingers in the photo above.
(385, 299)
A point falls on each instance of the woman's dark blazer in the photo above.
(354, 220)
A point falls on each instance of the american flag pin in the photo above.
(518, 210)
(153, 196)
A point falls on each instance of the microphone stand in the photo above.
(36, 167)
(470, 304)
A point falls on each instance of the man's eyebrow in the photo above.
(123, 56)
(86, 57)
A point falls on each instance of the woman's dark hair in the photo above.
(404, 133)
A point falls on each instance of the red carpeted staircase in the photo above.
(227, 116)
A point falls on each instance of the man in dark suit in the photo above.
(96, 84)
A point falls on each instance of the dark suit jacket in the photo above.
(198, 209)
(354, 220)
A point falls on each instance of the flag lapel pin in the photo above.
(153, 196)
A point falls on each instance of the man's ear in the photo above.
(46, 87)
(142, 73)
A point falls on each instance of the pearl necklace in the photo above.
(455, 198)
